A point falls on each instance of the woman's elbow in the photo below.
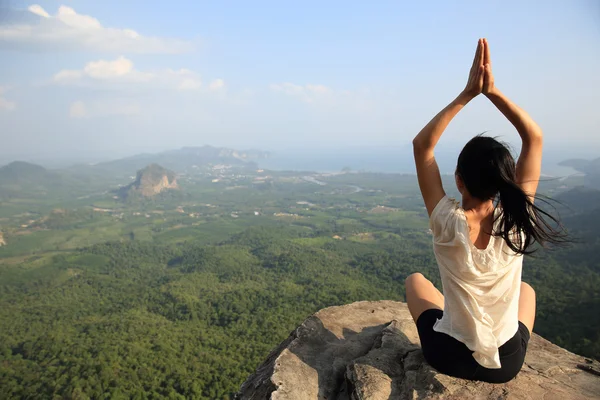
(538, 135)
(419, 146)
(534, 137)
(533, 133)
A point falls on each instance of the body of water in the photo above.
(387, 160)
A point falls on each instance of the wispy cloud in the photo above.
(78, 110)
(36, 29)
(217, 84)
(308, 93)
(120, 69)
(81, 110)
(122, 73)
(117, 88)
(4, 103)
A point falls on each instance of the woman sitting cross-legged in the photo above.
(479, 327)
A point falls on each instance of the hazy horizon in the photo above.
(386, 159)
(108, 80)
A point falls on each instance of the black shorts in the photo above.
(452, 357)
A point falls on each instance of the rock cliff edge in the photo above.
(371, 350)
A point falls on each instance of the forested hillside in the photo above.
(183, 295)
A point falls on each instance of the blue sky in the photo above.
(112, 78)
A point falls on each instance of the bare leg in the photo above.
(527, 306)
(421, 295)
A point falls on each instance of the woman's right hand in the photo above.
(488, 77)
(476, 75)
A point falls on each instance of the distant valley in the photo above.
(172, 275)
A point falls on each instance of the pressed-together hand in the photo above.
(476, 75)
(488, 77)
(480, 81)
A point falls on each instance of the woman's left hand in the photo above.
(475, 83)
(489, 87)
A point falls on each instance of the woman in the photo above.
(479, 328)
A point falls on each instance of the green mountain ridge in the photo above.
(184, 159)
(21, 178)
(582, 165)
(578, 200)
(21, 171)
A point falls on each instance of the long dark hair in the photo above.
(488, 171)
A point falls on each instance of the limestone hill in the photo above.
(150, 181)
(371, 350)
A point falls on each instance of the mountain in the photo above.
(19, 177)
(591, 169)
(581, 199)
(581, 165)
(150, 181)
(185, 158)
(19, 172)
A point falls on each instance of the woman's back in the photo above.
(481, 225)
(481, 286)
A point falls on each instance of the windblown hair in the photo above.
(488, 171)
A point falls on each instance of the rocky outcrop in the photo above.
(370, 350)
(151, 188)
(150, 181)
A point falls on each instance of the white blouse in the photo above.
(481, 287)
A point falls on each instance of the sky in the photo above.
(110, 78)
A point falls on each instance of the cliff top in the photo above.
(371, 350)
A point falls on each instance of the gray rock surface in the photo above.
(370, 350)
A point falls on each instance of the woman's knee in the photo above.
(526, 287)
(414, 279)
(527, 306)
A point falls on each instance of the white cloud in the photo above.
(121, 73)
(77, 110)
(188, 80)
(104, 108)
(287, 88)
(357, 103)
(318, 89)
(69, 17)
(308, 93)
(108, 69)
(38, 10)
(4, 103)
(217, 84)
(68, 75)
(69, 30)
(120, 70)
(190, 84)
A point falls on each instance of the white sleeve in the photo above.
(443, 218)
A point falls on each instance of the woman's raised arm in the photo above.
(529, 164)
(428, 173)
